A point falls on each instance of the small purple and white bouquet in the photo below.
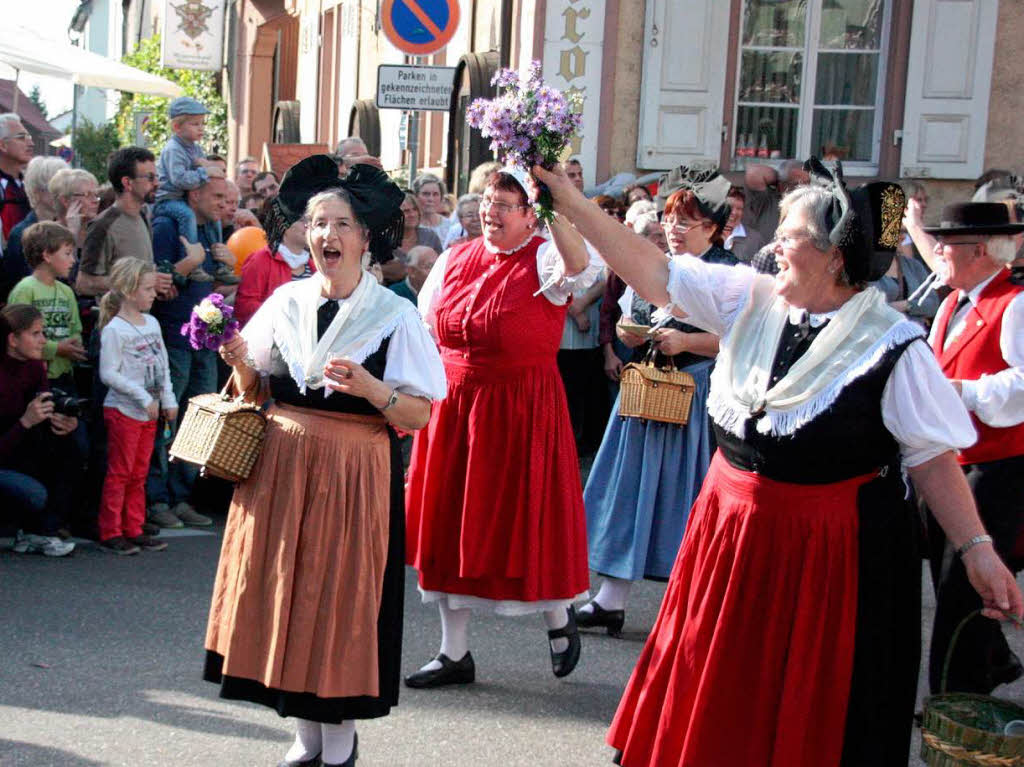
(211, 324)
(529, 123)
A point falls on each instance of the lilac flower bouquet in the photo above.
(529, 123)
(211, 324)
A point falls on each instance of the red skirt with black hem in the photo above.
(751, 657)
(494, 503)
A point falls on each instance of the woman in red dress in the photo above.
(495, 509)
(789, 635)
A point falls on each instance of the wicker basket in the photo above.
(221, 434)
(962, 729)
(654, 393)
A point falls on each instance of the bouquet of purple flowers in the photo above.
(211, 324)
(529, 123)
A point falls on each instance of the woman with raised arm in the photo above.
(306, 616)
(495, 507)
(790, 630)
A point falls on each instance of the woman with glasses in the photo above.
(413, 234)
(76, 198)
(495, 514)
(647, 473)
(790, 629)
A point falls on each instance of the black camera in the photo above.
(66, 404)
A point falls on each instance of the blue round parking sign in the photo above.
(419, 27)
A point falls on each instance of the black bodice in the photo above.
(847, 440)
(284, 389)
(641, 312)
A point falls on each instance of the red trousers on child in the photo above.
(129, 447)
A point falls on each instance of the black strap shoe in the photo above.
(610, 620)
(562, 663)
(451, 672)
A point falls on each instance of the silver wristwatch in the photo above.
(392, 400)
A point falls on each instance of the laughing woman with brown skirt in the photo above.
(306, 615)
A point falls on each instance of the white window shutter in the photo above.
(949, 78)
(683, 88)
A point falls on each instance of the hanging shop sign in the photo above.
(193, 35)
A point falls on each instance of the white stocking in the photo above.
(338, 741)
(307, 741)
(454, 634)
(614, 593)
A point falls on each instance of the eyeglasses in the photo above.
(502, 208)
(943, 242)
(150, 177)
(790, 240)
(86, 196)
(468, 216)
(20, 136)
(679, 227)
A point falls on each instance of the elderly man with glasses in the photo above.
(978, 337)
(15, 152)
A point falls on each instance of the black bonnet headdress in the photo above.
(376, 201)
(709, 187)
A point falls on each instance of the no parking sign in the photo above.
(419, 27)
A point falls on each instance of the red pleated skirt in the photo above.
(494, 503)
(750, 659)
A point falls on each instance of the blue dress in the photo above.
(647, 474)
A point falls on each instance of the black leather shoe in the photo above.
(610, 620)
(562, 663)
(351, 761)
(451, 672)
(314, 762)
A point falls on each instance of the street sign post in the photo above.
(419, 27)
(415, 88)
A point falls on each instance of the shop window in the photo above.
(809, 81)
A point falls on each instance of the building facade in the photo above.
(924, 89)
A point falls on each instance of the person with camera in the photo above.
(134, 367)
(34, 437)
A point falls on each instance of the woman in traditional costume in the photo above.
(790, 630)
(495, 509)
(647, 473)
(307, 607)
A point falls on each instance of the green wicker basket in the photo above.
(962, 729)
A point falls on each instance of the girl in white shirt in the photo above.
(133, 364)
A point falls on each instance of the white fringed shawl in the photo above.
(857, 337)
(283, 330)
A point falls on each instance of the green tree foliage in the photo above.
(93, 145)
(199, 85)
(36, 97)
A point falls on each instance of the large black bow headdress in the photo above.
(376, 200)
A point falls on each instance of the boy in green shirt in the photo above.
(49, 250)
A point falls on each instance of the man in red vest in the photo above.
(978, 337)
(15, 151)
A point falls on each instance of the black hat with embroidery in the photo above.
(376, 200)
(861, 223)
(710, 188)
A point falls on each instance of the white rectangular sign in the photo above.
(416, 88)
(193, 35)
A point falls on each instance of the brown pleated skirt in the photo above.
(299, 584)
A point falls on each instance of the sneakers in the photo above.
(119, 546)
(48, 546)
(161, 515)
(147, 543)
(189, 516)
(150, 529)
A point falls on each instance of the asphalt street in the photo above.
(100, 661)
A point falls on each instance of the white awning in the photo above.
(26, 51)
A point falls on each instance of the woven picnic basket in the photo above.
(654, 393)
(960, 729)
(221, 434)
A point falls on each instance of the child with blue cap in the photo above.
(183, 166)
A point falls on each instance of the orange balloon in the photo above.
(244, 242)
